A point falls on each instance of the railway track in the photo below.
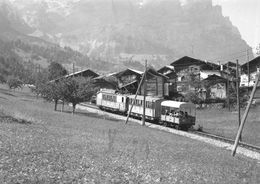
(203, 134)
(227, 140)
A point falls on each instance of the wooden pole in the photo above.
(238, 96)
(139, 86)
(248, 72)
(228, 95)
(144, 104)
(245, 116)
(73, 68)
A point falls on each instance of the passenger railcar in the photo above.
(111, 101)
(152, 104)
(180, 115)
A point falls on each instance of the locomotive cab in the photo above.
(180, 115)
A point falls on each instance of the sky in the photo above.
(245, 15)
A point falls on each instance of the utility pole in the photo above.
(228, 101)
(139, 86)
(73, 68)
(238, 96)
(248, 72)
(144, 86)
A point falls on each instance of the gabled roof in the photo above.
(106, 75)
(84, 73)
(167, 67)
(155, 73)
(215, 78)
(253, 65)
(129, 71)
(187, 61)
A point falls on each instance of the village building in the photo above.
(190, 72)
(156, 84)
(214, 87)
(170, 73)
(249, 71)
(128, 80)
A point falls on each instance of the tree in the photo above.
(78, 90)
(14, 83)
(56, 70)
(40, 82)
(2, 79)
(53, 91)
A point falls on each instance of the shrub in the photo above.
(14, 83)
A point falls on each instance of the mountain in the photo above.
(119, 31)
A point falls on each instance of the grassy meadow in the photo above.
(38, 145)
(225, 123)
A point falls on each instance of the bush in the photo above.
(2, 79)
(14, 83)
(192, 97)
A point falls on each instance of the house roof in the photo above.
(253, 65)
(188, 61)
(155, 73)
(105, 76)
(215, 78)
(128, 71)
(83, 73)
(167, 67)
(86, 72)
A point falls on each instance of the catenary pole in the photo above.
(238, 96)
(245, 115)
(144, 86)
(132, 103)
(228, 95)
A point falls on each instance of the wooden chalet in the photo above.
(188, 71)
(169, 72)
(128, 80)
(156, 84)
(249, 71)
(214, 87)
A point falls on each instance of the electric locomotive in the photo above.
(111, 101)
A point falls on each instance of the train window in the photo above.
(163, 110)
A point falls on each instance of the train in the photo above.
(179, 115)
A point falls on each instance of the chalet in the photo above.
(156, 84)
(189, 72)
(249, 71)
(214, 87)
(128, 80)
(170, 73)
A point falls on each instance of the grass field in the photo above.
(225, 123)
(38, 145)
